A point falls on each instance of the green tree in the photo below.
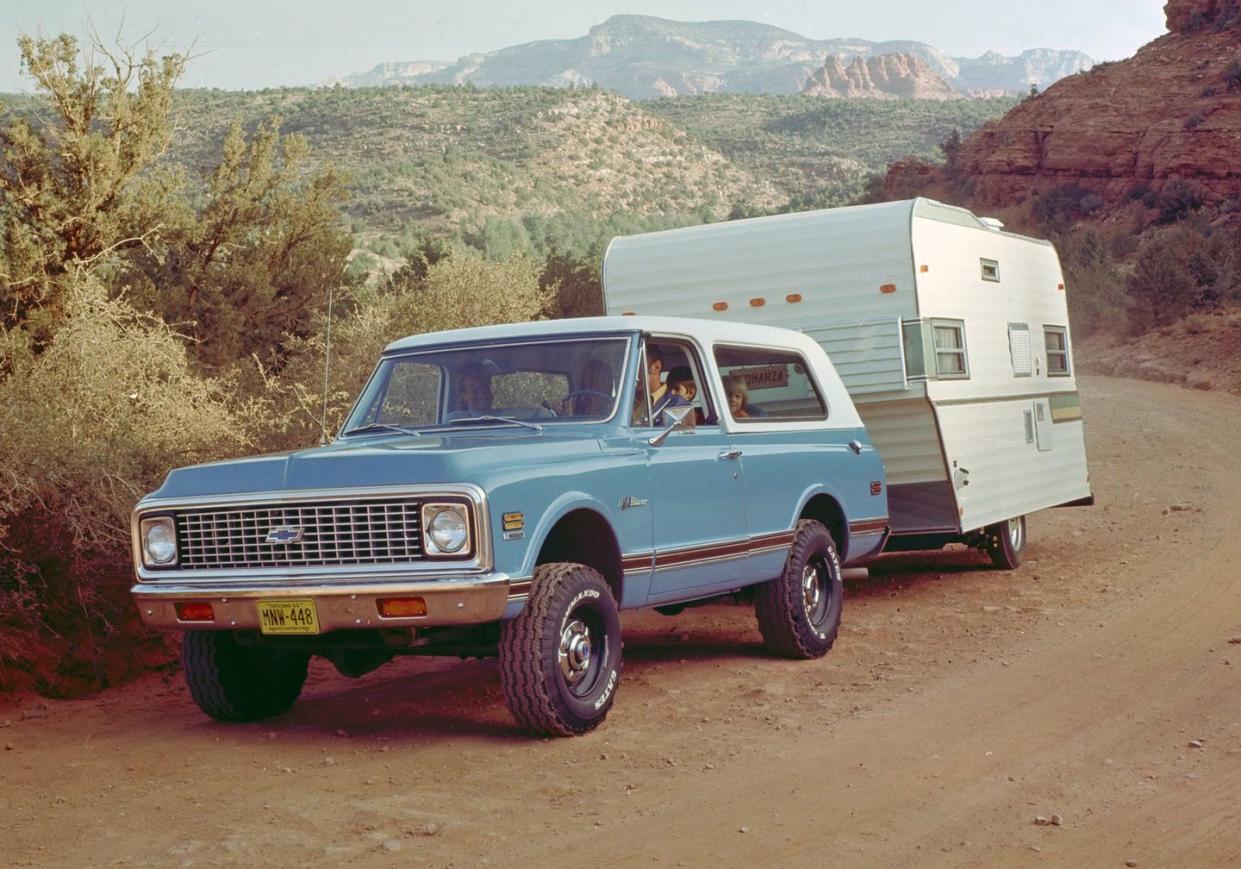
(248, 263)
(71, 190)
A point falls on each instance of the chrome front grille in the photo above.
(361, 531)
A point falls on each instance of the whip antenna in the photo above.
(327, 364)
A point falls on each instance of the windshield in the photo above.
(515, 384)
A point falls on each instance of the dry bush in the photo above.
(89, 425)
(455, 292)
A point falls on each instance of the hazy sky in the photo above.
(262, 43)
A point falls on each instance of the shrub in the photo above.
(1162, 288)
(1232, 77)
(1177, 200)
(91, 423)
(1062, 205)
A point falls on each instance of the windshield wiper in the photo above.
(474, 420)
(384, 427)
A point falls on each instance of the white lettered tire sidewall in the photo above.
(566, 601)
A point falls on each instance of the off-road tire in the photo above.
(799, 611)
(233, 682)
(1006, 543)
(548, 686)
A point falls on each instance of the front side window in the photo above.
(763, 384)
(673, 378)
(951, 362)
(544, 382)
(1056, 339)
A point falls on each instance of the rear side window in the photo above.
(762, 384)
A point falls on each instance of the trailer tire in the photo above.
(1006, 543)
(560, 659)
(799, 611)
(232, 682)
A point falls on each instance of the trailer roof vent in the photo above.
(992, 223)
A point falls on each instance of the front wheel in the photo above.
(234, 682)
(560, 660)
(799, 611)
(1006, 543)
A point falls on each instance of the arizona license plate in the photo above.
(288, 617)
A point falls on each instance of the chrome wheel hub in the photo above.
(811, 590)
(575, 651)
(1015, 534)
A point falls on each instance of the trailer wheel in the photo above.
(1006, 543)
(231, 682)
(560, 660)
(799, 611)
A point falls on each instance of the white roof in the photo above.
(705, 331)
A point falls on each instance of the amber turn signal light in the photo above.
(402, 607)
(195, 612)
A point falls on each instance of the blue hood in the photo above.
(482, 457)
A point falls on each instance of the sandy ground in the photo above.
(1101, 683)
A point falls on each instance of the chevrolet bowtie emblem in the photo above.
(285, 534)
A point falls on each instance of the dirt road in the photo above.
(1101, 684)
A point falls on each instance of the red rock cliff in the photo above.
(1170, 113)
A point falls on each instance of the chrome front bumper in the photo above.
(344, 604)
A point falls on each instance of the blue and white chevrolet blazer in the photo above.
(506, 491)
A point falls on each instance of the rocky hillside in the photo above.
(453, 156)
(884, 76)
(1166, 122)
(642, 56)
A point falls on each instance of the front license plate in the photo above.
(288, 617)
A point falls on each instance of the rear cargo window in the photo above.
(763, 385)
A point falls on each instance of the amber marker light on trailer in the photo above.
(195, 611)
(402, 607)
(757, 302)
(793, 298)
(887, 288)
(720, 306)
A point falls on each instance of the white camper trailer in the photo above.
(952, 337)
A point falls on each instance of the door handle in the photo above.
(729, 454)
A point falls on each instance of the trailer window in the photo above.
(1056, 339)
(1019, 349)
(762, 385)
(990, 270)
(950, 355)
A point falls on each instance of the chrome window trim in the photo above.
(480, 563)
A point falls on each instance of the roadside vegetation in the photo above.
(170, 261)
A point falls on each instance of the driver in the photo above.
(474, 394)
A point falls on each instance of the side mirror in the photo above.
(682, 420)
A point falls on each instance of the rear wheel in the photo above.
(560, 660)
(1006, 543)
(799, 611)
(233, 682)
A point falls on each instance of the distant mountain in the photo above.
(391, 73)
(884, 76)
(642, 56)
(993, 74)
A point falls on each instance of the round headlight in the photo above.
(159, 539)
(448, 529)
